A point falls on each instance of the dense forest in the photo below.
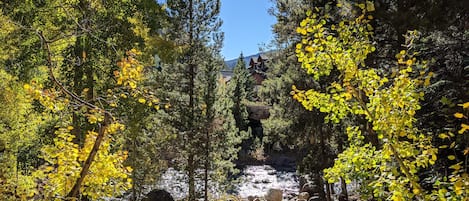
(99, 98)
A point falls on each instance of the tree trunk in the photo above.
(323, 154)
(343, 194)
(207, 165)
(191, 137)
(191, 171)
(318, 180)
(75, 191)
(328, 191)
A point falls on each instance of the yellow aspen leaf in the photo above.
(416, 191)
(426, 82)
(69, 128)
(303, 23)
(48, 169)
(463, 129)
(421, 94)
(458, 187)
(141, 100)
(464, 105)
(458, 115)
(92, 119)
(348, 96)
(299, 30)
(132, 85)
(361, 6)
(433, 159)
(443, 135)
(466, 151)
(453, 144)
(370, 6)
(409, 62)
(451, 157)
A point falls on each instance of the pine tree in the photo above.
(242, 86)
(226, 136)
(196, 28)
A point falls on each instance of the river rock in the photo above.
(310, 188)
(274, 195)
(266, 181)
(303, 196)
(252, 198)
(314, 198)
(158, 195)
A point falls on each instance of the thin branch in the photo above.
(405, 169)
(45, 43)
(74, 192)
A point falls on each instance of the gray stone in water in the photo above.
(266, 181)
(158, 195)
(304, 179)
(274, 195)
(303, 196)
(314, 198)
(310, 188)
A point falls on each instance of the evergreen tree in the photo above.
(226, 136)
(242, 86)
(196, 28)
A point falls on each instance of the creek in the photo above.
(253, 180)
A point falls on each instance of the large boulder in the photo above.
(274, 195)
(158, 195)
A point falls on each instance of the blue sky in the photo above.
(246, 24)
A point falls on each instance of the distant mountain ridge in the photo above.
(230, 64)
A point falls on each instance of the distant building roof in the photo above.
(227, 75)
(262, 57)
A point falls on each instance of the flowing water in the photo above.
(254, 180)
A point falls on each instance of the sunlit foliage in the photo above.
(388, 102)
